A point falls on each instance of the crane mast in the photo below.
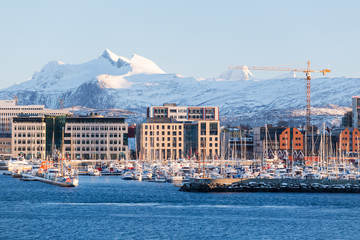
(307, 71)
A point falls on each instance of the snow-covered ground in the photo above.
(114, 82)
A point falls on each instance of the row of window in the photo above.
(296, 144)
(163, 139)
(22, 148)
(210, 139)
(96, 128)
(210, 144)
(355, 132)
(173, 133)
(113, 142)
(285, 138)
(96, 135)
(97, 149)
(19, 135)
(19, 141)
(22, 109)
(169, 127)
(174, 145)
(31, 128)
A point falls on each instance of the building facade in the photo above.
(356, 112)
(28, 137)
(208, 139)
(266, 139)
(167, 139)
(5, 143)
(183, 113)
(96, 137)
(161, 140)
(291, 139)
(9, 109)
(349, 140)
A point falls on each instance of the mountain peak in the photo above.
(114, 59)
(242, 74)
(141, 64)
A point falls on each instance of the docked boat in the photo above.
(160, 178)
(128, 176)
(92, 171)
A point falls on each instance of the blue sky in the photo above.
(192, 38)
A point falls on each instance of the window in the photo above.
(203, 128)
(213, 128)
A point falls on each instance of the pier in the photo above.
(272, 185)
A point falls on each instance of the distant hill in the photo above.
(115, 82)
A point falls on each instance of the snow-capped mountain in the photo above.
(115, 82)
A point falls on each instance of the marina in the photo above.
(120, 209)
(202, 176)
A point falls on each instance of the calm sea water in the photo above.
(110, 208)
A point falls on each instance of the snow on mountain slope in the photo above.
(236, 75)
(115, 82)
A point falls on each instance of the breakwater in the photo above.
(273, 185)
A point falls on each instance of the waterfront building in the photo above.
(266, 139)
(5, 143)
(239, 143)
(28, 137)
(208, 139)
(96, 137)
(183, 113)
(291, 139)
(168, 139)
(10, 109)
(348, 139)
(160, 139)
(179, 132)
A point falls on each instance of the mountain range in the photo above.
(111, 82)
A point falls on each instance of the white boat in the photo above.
(93, 171)
(159, 178)
(128, 176)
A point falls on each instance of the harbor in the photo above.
(200, 176)
(148, 210)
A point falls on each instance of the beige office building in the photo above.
(28, 137)
(161, 140)
(209, 139)
(96, 137)
(166, 139)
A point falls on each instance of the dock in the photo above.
(272, 185)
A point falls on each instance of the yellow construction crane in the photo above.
(307, 71)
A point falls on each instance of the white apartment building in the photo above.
(183, 113)
(96, 137)
(28, 137)
(9, 109)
